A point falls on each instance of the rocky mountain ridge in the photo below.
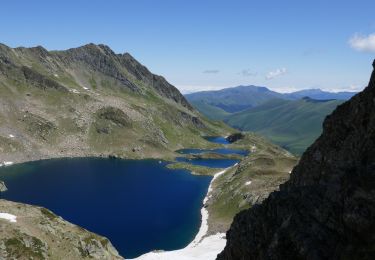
(90, 101)
(326, 209)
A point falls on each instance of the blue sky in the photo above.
(205, 44)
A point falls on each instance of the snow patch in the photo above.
(11, 136)
(85, 88)
(74, 91)
(6, 163)
(247, 183)
(207, 249)
(9, 217)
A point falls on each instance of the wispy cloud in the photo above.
(248, 73)
(276, 73)
(211, 71)
(364, 43)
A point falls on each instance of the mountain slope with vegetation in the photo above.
(89, 101)
(320, 94)
(326, 209)
(218, 104)
(249, 182)
(293, 125)
(292, 120)
(232, 99)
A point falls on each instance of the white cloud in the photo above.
(276, 73)
(363, 42)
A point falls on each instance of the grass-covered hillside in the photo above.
(249, 182)
(292, 120)
(230, 100)
(293, 125)
(89, 101)
(211, 111)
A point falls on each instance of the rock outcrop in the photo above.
(235, 137)
(327, 208)
(3, 187)
(37, 233)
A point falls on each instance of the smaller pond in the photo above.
(212, 162)
(217, 139)
(219, 151)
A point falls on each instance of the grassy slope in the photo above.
(292, 124)
(210, 111)
(233, 99)
(266, 167)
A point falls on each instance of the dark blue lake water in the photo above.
(140, 205)
(217, 139)
(219, 150)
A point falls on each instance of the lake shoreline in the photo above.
(202, 247)
(215, 242)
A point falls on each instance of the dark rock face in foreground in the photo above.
(327, 208)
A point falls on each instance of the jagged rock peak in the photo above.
(327, 208)
(96, 58)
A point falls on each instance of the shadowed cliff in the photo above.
(327, 208)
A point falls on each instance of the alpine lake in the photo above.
(139, 205)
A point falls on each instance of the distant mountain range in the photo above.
(236, 99)
(292, 120)
(233, 99)
(320, 94)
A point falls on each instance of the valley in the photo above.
(291, 120)
(162, 180)
(187, 130)
(69, 116)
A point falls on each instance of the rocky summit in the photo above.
(327, 208)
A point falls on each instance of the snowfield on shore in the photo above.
(201, 248)
(9, 217)
(206, 249)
